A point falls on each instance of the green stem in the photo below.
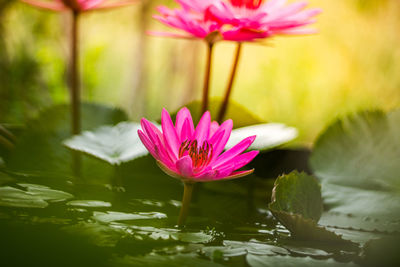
(187, 196)
(74, 78)
(228, 91)
(206, 85)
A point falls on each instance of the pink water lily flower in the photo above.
(77, 5)
(194, 17)
(196, 154)
(237, 20)
(272, 16)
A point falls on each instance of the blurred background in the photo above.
(352, 64)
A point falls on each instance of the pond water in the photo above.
(130, 220)
(62, 208)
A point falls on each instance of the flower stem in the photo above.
(75, 91)
(74, 78)
(224, 106)
(206, 85)
(187, 196)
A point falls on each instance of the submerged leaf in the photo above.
(114, 144)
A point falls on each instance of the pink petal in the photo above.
(203, 128)
(170, 137)
(148, 144)
(182, 116)
(156, 137)
(213, 128)
(234, 151)
(187, 130)
(185, 166)
(217, 141)
(225, 170)
(243, 159)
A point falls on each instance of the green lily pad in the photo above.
(114, 144)
(356, 159)
(89, 204)
(269, 135)
(256, 248)
(113, 216)
(360, 150)
(297, 193)
(34, 196)
(297, 204)
(264, 261)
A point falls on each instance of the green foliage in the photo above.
(298, 193)
(115, 145)
(30, 196)
(356, 159)
(360, 150)
(297, 204)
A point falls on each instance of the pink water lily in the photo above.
(273, 17)
(196, 154)
(237, 20)
(77, 5)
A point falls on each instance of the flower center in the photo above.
(201, 155)
(250, 4)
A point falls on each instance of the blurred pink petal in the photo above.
(194, 154)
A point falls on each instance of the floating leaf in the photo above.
(34, 196)
(382, 252)
(89, 204)
(269, 135)
(113, 216)
(256, 248)
(362, 150)
(114, 144)
(283, 261)
(357, 159)
(297, 204)
(362, 209)
(308, 229)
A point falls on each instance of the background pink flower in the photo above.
(77, 5)
(272, 16)
(196, 154)
(237, 20)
